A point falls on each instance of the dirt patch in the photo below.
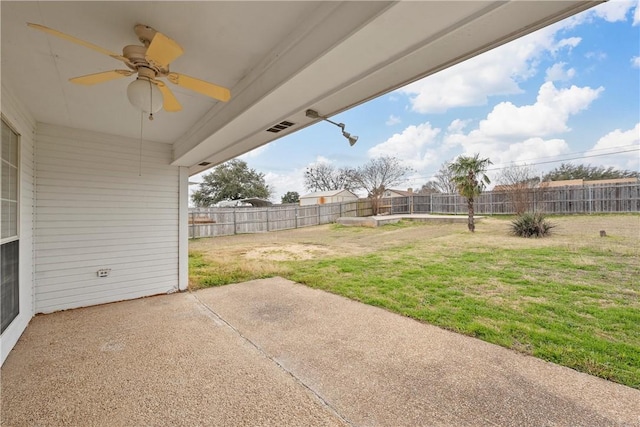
(291, 252)
(433, 239)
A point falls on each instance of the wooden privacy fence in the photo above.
(612, 198)
(211, 222)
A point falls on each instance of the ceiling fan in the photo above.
(150, 62)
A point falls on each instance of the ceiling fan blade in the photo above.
(162, 51)
(78, 41)
(170, 103)
(200, 86)
(105, 76)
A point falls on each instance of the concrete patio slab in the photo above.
(272, 352)
(159, 361)
(378, 220)
(376, 368)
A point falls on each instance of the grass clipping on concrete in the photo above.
(572, 298)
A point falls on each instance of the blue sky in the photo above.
(567, 91)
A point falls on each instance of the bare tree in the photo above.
(325, 177)
(518, 182)
(442, 181)
(379, 174)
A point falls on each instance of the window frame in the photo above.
(6, 122)
(14, 238)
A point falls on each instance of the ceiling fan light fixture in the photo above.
(144, 95)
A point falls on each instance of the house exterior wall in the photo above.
(22, 123)
(97, 208)
(326, 197)
(308, 201)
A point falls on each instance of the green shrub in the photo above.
(531, 224)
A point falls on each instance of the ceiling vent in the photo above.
(280, 126)
(204, 164)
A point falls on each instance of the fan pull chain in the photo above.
(150, 100)
(140, 164)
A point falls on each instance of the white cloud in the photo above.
(413, 145)
(500, 71)
(527, 151)
(254, 153)
(513, 133)
(610, 11)
(618, 140)
(393, 120)
(457, 126)
(281, 183)
(497, 72)
(570, 43)
(597, 55)
(321, 159)
(547, 116)
(557, 72)
(635, 61)
(614, 11)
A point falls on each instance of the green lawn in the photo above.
(570, 300)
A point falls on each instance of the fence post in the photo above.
(235, 227)
(491, 203)
(192, 224)
(267, 219)
(319, 206)
(296, 216)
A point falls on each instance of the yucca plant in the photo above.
(531, 224)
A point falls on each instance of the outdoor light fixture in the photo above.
(145, 96)
(314, 115)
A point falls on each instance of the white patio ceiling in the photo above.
(278, 59)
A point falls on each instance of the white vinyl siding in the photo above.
(326, 197)
(98, 209)
(21, 121)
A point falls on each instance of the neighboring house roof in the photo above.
(399, 193)
(574, 182)
(563, 183)
(327, 194)
(259, 203)
(613, 181)
(514, 187)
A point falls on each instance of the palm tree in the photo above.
(470, 179)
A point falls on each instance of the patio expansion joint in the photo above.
(263, 352)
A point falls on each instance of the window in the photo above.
(9, 250)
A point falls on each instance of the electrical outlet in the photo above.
(104, 272)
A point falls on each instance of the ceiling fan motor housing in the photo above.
(145, 33)
(137, 57)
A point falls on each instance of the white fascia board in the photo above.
(312, 40)
(405, 42)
